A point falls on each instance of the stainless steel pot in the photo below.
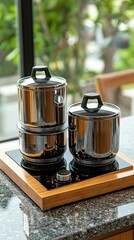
(42, 147)
(42, 99)
(94, 129)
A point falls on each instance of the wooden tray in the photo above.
(47, 199)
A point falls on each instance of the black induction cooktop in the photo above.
(46, 175)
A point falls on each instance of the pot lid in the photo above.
(92, 106)
(38, 80)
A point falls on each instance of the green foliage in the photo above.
(61, 36)
(125, 58)
(8, 41)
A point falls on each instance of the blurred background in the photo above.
(75, 39)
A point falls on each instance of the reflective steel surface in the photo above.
(42, 99)
(42, 146)
(94, 138)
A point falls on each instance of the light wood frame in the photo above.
(47, 199)
(114, 79)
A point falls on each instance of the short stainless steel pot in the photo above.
(94, 129)
(42, 99)
(39, 147)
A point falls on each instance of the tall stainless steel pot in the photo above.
(42, 116)
(42, 99)
(94, 129)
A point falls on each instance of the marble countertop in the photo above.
(21, 218)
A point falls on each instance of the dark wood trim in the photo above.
(111, 234)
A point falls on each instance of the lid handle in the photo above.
(44, 69)
(91, 96)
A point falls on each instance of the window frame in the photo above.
(26, 43)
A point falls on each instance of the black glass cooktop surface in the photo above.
(46, 175)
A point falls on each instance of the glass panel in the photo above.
(81, 40)
(8, 69)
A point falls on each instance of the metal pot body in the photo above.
(39, 108)
(42, 101)
(93, 139)
(42, 148)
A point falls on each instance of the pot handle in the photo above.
(91, 96)
(44, 69)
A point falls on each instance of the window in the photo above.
(76, 41)
(16, 59)
(9, 69)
